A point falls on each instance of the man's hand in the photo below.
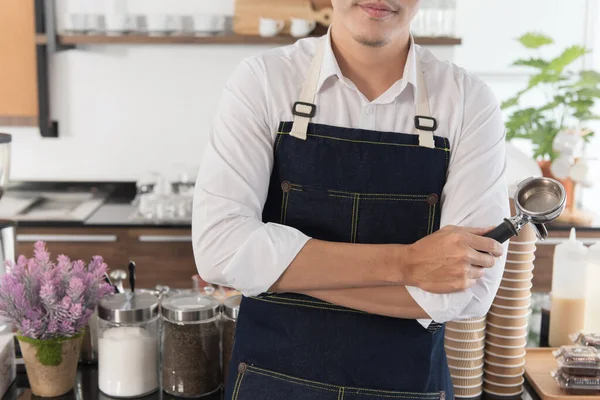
(450, 260)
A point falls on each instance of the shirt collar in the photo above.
(330, 67)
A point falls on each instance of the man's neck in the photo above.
(372, 69)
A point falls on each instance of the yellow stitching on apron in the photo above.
(276, 376)
(286, 303)
(375, 198)
(342, 398)
(339, 394)
(283, 204)
(287, 198)
(238, 384)
(352, 219)
(364, 141)
(356, 219)
(429, 220)
(284, 298)
(377, 194)
(334, 388)
(277, 142)
(433, 219)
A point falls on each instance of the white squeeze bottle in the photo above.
(592, 301)
(567, 314)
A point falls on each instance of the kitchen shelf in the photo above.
(71, 40)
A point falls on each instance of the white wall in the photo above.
(124, 110)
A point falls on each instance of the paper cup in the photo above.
(512, 283)
(529, 247)
(467, 383)
(507, 321)
(496, 361)
(522, 311)
(463, 344)
(511, 351)
(498, 372)
(501, 391)
(460, 335)
(527, 234)
(468, 394)
(512, 301)
(518, 274)
(520, 256)
(514, 293)
(467, 325)
(513, 250)
(458, 353)
(500, 331)
(470, 364)
(502, 340)
(466, 372)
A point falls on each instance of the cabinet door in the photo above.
(77, 243)
(18, 82)
(162, 257)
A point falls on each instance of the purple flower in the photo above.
(49, 300)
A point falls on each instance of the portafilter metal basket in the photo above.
(537, 200)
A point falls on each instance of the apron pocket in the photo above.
(342, 216)
(254, 383)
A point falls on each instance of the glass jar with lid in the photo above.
(191, 345)
(231, 309)
(128, 344)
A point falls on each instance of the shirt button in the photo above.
(369, 110)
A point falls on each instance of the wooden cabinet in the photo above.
(162, 256)
(18, 79)
(77, 243)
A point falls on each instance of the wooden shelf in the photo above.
(217, 39)
(11, 120)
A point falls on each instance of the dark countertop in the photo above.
(86, 388)
(116, 212)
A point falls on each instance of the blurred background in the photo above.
(109, 104)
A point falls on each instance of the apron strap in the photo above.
(305, 108)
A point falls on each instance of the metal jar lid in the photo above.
(231, 306)
(128, 308)
(190, 307)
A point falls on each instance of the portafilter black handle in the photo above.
(503, 232)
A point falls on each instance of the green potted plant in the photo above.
(50, 304)
(570, 97)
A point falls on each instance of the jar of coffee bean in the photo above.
(231, 308)
(191, 348)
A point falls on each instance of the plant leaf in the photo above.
(593, 92)
(588, 78)
(569, 55)
(544, 77)
(532, 62)
(534, 40)
(513, 101)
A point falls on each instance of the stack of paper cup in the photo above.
(464, 343)
(506, 329)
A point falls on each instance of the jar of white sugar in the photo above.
(128, 345)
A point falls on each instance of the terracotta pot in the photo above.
(567, 183)
(51, 365)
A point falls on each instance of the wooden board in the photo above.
(18, 83)
(539, 363)
(249, 12)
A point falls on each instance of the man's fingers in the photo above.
(486, 245)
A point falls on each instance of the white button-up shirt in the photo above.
(233, 247)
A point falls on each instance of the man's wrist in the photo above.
(398, 266)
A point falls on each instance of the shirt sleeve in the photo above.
(475, 195)
(232, 246)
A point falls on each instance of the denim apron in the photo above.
(345, 185)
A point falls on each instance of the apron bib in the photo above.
(357, 186)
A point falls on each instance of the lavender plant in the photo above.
(49, 300)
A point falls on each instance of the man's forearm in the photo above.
(324, 265)
(389, 301)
